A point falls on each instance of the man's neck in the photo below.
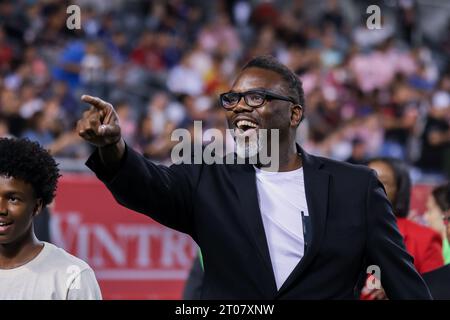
(20, 252)
(289, 158)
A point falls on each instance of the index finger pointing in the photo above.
(96, 102)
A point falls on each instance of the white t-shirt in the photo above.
(282, 202)
(53, 274)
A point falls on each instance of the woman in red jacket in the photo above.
(423, 243)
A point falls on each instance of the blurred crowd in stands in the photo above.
(162, 64)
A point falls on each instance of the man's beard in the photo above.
(258, 147)
(249, 143)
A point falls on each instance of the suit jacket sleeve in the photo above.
(386, 249)
(163, 193)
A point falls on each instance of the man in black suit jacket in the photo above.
(351, 221)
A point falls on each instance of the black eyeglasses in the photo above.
(253, 98)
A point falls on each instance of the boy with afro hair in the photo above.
(29, 268)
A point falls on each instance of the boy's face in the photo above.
(18, 206)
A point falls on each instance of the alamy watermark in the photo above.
(73, 281)
(374, 20)
(374, 277)
(73, 21)
(252, 146)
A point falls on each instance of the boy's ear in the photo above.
(38, 207)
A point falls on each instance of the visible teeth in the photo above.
(242, 123)
(3, 224)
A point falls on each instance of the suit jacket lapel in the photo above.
(244, 177)
(316, 189)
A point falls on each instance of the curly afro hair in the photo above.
(28, 161)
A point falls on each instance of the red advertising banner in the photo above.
(133, 256)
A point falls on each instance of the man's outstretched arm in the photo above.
(163, 193)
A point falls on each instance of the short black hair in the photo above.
(271, 63)
(402, 182)
(441, 195)
(28, 161)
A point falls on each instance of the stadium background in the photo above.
(381, 92)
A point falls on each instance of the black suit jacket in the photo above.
(352, 226)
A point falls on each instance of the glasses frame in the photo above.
(268, 96)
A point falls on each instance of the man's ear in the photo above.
(38, 207)
(296, 115)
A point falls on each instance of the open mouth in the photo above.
(245, 125)
(5, 224)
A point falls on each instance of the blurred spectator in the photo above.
(4, 128)
(66, 98)
(92, 65)
(6, 52)
(438, 215)
(39, 129)
(31, 102)
(68, 67)
(358, 152)
(332, 15)
(39, 72)
(157, 112)
(10, 108)
(127, 121)
(183, 78)
(408, 20)
(219, 36)
(436, 135)
(147, 53)
(422, 243)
